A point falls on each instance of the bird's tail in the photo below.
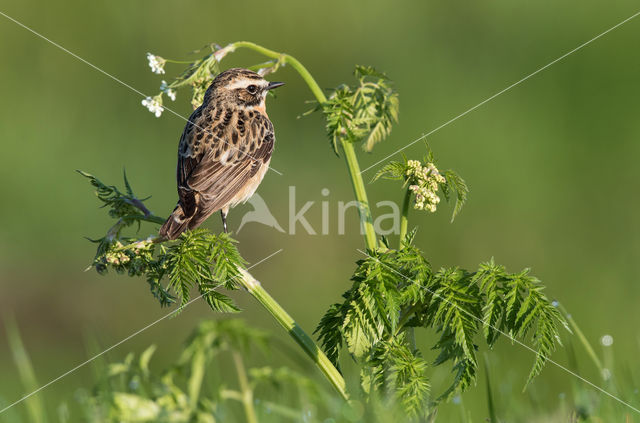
(177, 223)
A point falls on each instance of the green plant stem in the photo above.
(583, 340)
(411, 338)
(286, 321)
(247, 393)
(361, 194)
(150, 218)
(404, 318)
(408, 330)
(492, 408)
(198, 364)
(404, 218)
(288, 59)
(347, 147)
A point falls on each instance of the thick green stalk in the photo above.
(361, 194)
(404, 218)
(347, 147)
(286, 321)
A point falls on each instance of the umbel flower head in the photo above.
(154, 104)
(115, 257)
(425, 181)
(170, 92)
(156, 63)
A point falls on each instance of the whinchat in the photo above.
(224, 151)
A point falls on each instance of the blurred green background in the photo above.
(552, 164)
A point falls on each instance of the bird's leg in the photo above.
(224, 220)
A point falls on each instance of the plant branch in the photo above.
(404, 218)
(297, 333)
(287, 59)
(147, 218)
(140, 206)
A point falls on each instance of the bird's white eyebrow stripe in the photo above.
(244, 83)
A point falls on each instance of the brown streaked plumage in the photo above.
(224, 151)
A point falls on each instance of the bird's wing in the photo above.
(215, 164)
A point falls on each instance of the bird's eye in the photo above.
(252, 89)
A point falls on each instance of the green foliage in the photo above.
(454, 312)
(393, 367)
(395, 290)
(188, 263)
(198, 75)
(196, 387)
(369, 322)
(121, 205)
(329, 331)
(363, 113)
(516, 306)
(393, 171)
(200, 387)
(456, 187)
(131, 392)
(197, 260)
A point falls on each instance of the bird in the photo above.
(224, 151)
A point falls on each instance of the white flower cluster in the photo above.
(156, 63)
(427, 181)
(154, 104)
(164, 87)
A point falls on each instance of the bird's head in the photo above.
(240, 87)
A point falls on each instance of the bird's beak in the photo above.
(273, 85)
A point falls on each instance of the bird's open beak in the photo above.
(273, 85)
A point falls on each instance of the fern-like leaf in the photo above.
(456, 312)
(364, 113)
(455, 186)
(329, 332)
(391, 170)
